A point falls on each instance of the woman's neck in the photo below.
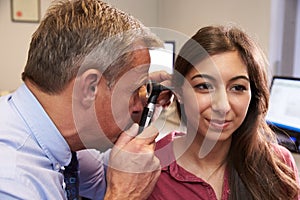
(201, 157)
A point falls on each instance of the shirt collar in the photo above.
(41, 126)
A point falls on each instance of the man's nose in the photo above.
(137, 103)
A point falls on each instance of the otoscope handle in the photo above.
(148, 111)
(146, 116)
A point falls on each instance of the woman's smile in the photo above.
(219, 124)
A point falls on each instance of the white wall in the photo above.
(297, 48)
(14, 40)
(183, 17)
(15, 37)
(144, 10)
(187, 16)
(276, 36)
(285, 38)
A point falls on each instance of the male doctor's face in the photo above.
(119, 106)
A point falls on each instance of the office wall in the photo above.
(297, 48)
(15, 37)
(180, 16)
(189, 15)
(145, 10)
(14, 40)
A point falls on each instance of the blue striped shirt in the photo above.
(33, 152)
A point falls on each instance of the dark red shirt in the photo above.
(177, 183)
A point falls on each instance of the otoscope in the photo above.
(154, 89)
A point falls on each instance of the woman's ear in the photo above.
(178, 95)
(89, 86)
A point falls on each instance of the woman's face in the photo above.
(216, 96)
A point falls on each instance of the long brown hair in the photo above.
(256, 170)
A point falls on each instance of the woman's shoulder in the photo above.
(168, 138)
(284, 154)
(164, 148)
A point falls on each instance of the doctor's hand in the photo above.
(133, 168)
(161, 77)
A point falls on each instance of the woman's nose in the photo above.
(220, 101)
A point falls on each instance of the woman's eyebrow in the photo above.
(240, 77)
(206, 76)
(209, 77)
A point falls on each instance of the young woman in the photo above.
(228, 151)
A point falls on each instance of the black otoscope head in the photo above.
(155, 89)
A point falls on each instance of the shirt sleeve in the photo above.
(13, 185)
(11, 189)
(92, 182)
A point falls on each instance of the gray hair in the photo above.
(81, 34)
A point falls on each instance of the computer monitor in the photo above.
(163, 58)
(284, 106)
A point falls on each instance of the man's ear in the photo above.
(89, 86)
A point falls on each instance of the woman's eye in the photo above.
(239, 88)
(205, 87)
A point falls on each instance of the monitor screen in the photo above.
(284, 103)
(163, 58)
